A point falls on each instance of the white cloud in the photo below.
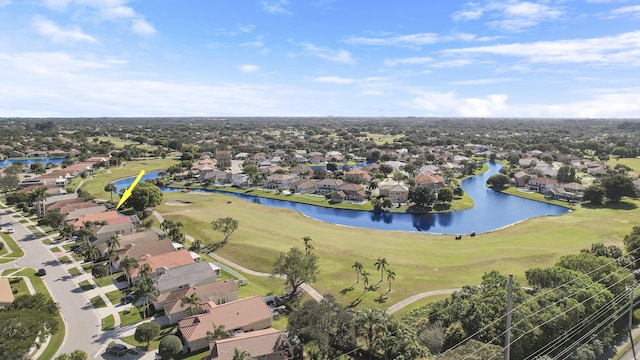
(414, 40)
(437, 103)
(57, 34)
(486, 81)
(248, 68)
(511, 15)
(276, 7)
(627, 10)
(142, 27)
(56, 4)
(334, 80)
(409, 61)
(246, 28)
(622, 49)
(337, 55)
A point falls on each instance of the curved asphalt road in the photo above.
(83, 327)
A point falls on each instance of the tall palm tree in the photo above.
(92, 253)
(369, 325)
(145, 270)
(113, 243)
(391, 275)
(381, 265)
(129, 263)
(145, 288)
(193, 300)
(218, 333)
(307, 244)
(111, 188)
(241, 355)
(365, 279)
(358, 266)
(36, 197)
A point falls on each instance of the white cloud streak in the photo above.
(413, 40)
(57, 34)
(511, 15)
(622, 49)
(336, 55)
(277, 7)
(247, 68)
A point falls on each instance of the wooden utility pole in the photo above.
(507, 336)
(631, 291)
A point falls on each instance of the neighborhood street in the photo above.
(83, 327)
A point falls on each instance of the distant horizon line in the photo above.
(337, 117)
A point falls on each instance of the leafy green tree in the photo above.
(144, 195)
(297, 266)
(445, 195)
(421, 196)
(226, 226)
(325, 325)
(618, 185)
(146, 332)
(594, 194)
(99, 271)
(53, 218)
(8, 183)
(75, 355)
(169, 346)
(498, 181)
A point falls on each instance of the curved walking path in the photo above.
(310, 290)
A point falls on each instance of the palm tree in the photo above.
(111, 188)
(127, 264)
(391, 275)
(91, 252)
(112, 244)
(381, 265)
(145, 270)
(365, 279)
(241, 354)
(358, 266)
(36, 197)
(66, 231)
(218, 333)
(193, 300)
(307, 244)
(145, 288)
(369, 325)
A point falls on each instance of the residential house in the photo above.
(119, 228)
(267, 344)
(218, 292)
(542, 184)
(279, 181)
(362, 175)
(327, 186)
(270, 170)
(567, 192)
(6, 294)
(317, 159)
(304, 185)
(301, 171)
(521, 178)
(431, 181)
(398, 193)
(161, 262)
(353, 192)
(80, 216)
(240, 180)
(334, 156)
(186, 276)
(241, 156)
(57, 153)
(244, 315)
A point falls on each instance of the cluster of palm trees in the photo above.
(144, 287)
(381, 265)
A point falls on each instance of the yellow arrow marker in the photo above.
(127, 192)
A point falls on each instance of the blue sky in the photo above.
(508, 58)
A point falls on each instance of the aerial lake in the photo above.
(492, 210)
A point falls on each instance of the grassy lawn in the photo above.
(107, 280)
(4, 250)
(108, 323)
(87, 266)
(86, 285)
(48, 241)
(16, 251)
(132, 317)
(537, 197)
(19, 285)
(64, 260)
(76, 257)
(67, 247)
(97, 302)
(74, 271)
(115, 296)
(153, 345)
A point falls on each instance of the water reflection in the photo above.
(492, 210)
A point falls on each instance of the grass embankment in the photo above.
(537, 197)
(153, 344)
(16, 251)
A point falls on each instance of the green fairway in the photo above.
(421, 261)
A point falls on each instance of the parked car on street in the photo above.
(42, 272)
(117, 349)
(9, 231)
(127, 299)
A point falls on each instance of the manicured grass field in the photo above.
(115, 296)
(74, 271)
(16, 251)
(153, 345)
(108, 323)
(132, 317)
(85, 285)
(107, 280)
(421, 261)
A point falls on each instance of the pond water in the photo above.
(493, 210)
(28, 162)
